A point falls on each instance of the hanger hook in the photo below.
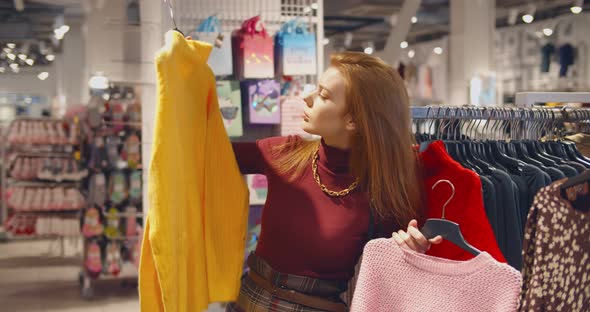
(450, 198)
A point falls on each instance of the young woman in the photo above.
(326, 198)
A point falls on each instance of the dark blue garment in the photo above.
(566, 58)
(489, 201)
(508, 219)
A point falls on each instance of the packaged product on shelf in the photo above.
(92, 225)
(253, 50)
(118, 191)
(295, 49)
(135, 193)
(113, 259)
(111, 230)
(93, 261)
(230, 104)
(220, 59)
(263, 101)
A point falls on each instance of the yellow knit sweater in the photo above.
(193, 245)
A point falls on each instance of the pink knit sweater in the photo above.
(395, 279)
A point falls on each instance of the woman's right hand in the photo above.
(413, 239)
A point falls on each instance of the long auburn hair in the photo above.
(382, 155)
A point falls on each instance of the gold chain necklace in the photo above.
(316, 176)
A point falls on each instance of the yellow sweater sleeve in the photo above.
(193, 243)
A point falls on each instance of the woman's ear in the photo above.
(350, 124)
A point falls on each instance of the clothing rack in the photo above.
(500, 113)
(497, 122)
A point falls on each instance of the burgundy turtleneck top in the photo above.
(305, 231)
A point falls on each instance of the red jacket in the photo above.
(466, 208)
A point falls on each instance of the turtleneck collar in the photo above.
(334, 159)
(436, 159)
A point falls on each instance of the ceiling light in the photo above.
(11, 45)
(98, 82)
(11, 56)
(369, 50)
(577, 7)
(50, 57)
(58, 34)
(403, 44)
(43, 75)
(64, 28)
(438, 50)
(13, 65)
(547, 31)
(529, 17)
(30, 62)
(22, 56)
(7, 50)
(411, 53)
(307, 9)
(414, 20)
(326, 41)
(2, 70)
(315, 6)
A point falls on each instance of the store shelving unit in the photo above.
(41, 221)
(99, 162)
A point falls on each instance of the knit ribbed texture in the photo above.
(395, 279)
(193, 246)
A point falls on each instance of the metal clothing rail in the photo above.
(501, 113)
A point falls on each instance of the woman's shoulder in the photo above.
(267, 144)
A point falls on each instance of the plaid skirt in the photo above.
(253, 298)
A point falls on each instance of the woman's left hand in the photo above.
(413, 239)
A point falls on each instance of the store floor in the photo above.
(30, 280)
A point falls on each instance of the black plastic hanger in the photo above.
(447, 229)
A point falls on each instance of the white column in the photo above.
(401, 27)
(471, 44)
(104, 33)
(71, 83)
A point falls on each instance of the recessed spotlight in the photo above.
(576, 9)
(369, 50)
(11, 45)
(411, 53)
(7, 50)
(547, 31)
(438, 50)
(2, 70)
(11, 56)
(528, 18)
(403, 44)
(43, 75)
(30, 62)
(315, 6)
(326, 41)
(22, 56)
(50, 57)
(307, 9)
(414, 20)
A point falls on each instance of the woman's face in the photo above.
(325, 111)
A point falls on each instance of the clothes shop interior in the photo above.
(294, 155)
